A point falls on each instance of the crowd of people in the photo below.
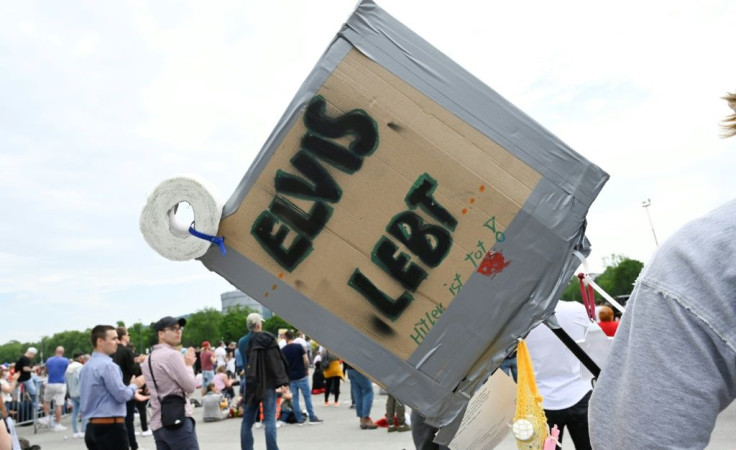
(264, 379)
(685, 287)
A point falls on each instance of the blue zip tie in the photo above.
(220, 241)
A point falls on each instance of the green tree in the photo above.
(233, 325)
(11, 351)
(617, 279)
(203, 325)
(273, 323)
(572, 291)
(142, 337)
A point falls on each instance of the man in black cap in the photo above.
(168, 373)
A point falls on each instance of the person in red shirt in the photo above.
(607, 324)
(207, 359)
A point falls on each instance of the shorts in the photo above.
(55, 392)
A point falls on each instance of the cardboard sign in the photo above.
(382, 229)
(407, 217)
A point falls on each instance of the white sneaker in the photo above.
(137, 433)
(258, 425)
(147, 433)
(78, 435)
(58, 427)
(44, 420)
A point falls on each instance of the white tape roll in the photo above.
(159, 228)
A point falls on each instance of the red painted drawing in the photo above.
(492, 264)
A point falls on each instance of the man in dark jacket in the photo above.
(125, 358)
(266, 370)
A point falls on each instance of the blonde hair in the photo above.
(729, 123)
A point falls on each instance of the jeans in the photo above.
(575, 418)
(508, 365)
(184, 438)
(31, 388)
(75, 416)
(302, 385)
(362, 390)
(269, 421)
(207, 377)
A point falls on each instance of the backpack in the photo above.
(255, 374)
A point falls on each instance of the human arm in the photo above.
(113, 381)
(180, 369)
(305, 358)
(6, 441)
(11, 384)
(667, 363)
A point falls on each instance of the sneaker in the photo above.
(302, 422)
(137, 433)
(352, 406)
(58, 427)
(403, 427)
(43, 420)
(280, 424)
(147, 433)
(78, 435)
(315, 421)
(391, 428)
(258, 425)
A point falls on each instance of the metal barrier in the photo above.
(26, 412)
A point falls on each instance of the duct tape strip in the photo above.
(160, 229)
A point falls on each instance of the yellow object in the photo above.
(528, 404)
(334, 370)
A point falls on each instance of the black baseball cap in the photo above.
(169, 321)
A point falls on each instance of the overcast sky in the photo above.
(101, 101)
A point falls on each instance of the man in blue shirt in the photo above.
(103, 394)
(55, 388)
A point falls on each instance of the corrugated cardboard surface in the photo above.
(477, 182)
(518, 196)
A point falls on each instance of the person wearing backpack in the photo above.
(265, 370)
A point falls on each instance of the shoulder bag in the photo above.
(173, 412)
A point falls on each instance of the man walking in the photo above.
(124, 358)
(298, 363)
(103, 394)
(55, 387)
(265, 371)
(168, 373)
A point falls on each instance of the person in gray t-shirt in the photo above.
(671, 367)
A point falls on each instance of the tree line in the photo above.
(208, 324)
(617, 279)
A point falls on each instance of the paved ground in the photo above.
(339, 431)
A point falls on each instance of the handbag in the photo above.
(173, 412)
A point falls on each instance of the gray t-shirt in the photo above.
(672, 366)
(211, 407)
